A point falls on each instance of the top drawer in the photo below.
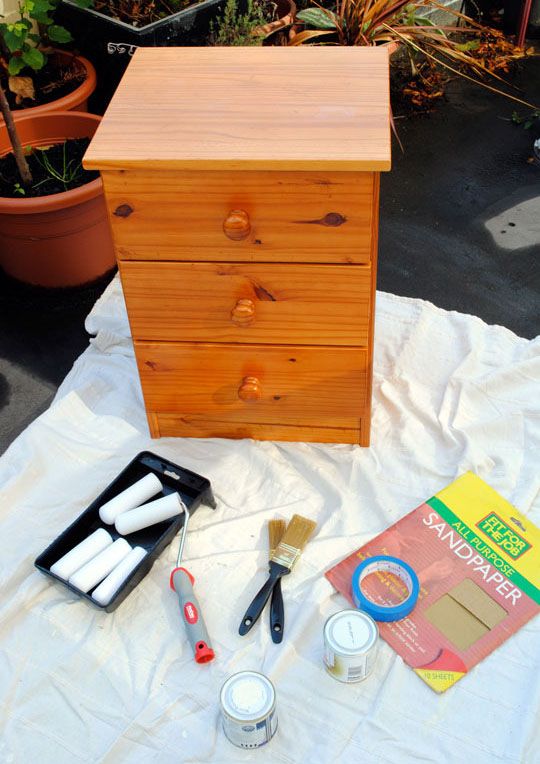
(226, 216)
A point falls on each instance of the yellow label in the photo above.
(439, 680)
(495, 522)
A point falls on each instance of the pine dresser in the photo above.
(243, 189)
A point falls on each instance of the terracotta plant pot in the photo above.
(77, 100)
(285, 11)
(62, 239)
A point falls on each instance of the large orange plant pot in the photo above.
(77, 100)
(62, 239)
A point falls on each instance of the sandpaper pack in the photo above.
(478, 562)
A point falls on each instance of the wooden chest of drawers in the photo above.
(242, 185)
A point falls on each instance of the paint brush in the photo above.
(276, 530)
(284, 557)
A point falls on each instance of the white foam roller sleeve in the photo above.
(82, 553)
(95, 571)
(132, 497)
(149, 514)
(108, 588)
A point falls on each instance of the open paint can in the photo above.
(248, 709)
(350, 645)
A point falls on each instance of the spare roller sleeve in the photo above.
(81, 554)
(149, 514)
(95, 571)
(132, 497)
(104, 593)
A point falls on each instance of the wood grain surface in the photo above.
(248, 302)
(293, 217)
(176, 425)
(304, 386)
(366, 424)
(294, 108)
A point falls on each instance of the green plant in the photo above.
(528, 121)
(375, 22)
(66, 172)
(236, 28)
(25, 39)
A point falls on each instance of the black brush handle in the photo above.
(277, 614)
(259, 601)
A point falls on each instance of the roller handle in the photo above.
(253, 612)
(190, 611)
(277, 614)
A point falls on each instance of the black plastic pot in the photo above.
(109, 44)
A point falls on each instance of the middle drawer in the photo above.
(248, 302)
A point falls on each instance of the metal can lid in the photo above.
(247, 695)
(350, 632)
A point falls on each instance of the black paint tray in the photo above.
(193, 489)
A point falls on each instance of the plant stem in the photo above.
(22, 164)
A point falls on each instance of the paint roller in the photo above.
(181, 580)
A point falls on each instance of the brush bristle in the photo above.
(294, 540)
(276, 529)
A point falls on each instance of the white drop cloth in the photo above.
(450, 394)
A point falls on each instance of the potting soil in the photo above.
(52, 82)
(67, 173)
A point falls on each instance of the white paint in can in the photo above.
(248, 709)
(350, 645)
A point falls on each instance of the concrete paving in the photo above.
(23, 396)
(41, 334)
(460, 215)
(460, 211)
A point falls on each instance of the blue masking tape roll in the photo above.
(385, 564)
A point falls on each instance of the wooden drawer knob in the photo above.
(250, 389)
(237, 225)
(243, 312)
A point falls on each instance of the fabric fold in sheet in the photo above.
(450, 394)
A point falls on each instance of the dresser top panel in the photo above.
(249, 108)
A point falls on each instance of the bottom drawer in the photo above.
(301, 386)
(179, 426)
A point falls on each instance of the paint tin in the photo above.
(350, 645)
(248, 709)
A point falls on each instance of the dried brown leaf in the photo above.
(308, 34)
(22, 87)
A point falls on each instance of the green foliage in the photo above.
(23, 45)
(236, 28)
(19, 189)
(59, 34)
(470, 45)
(528, 121)
(408, 24)
(33, 58)
(318, 18)
(67, 172)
